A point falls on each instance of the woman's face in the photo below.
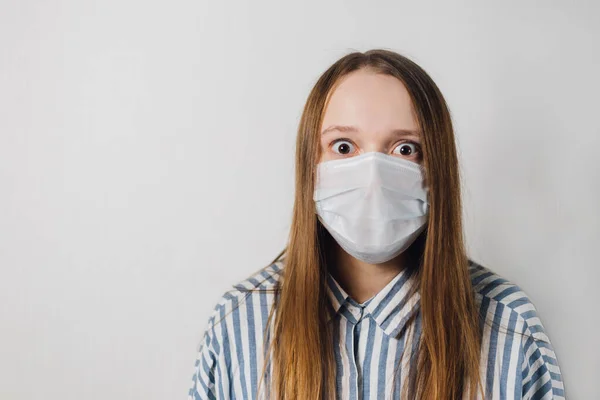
(370, 112)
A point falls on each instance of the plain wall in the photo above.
(146, 165)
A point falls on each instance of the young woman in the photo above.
(374, 296)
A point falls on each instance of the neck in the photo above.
(362, 280)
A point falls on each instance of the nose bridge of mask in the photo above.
(374, 175)
(371, 172)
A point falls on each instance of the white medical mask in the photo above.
(374, 205)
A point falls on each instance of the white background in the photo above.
(146, 165)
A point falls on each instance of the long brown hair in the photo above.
(449, 348)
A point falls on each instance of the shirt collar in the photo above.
(390, 308)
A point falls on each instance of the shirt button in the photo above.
(356, 312)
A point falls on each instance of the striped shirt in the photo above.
(516, 363)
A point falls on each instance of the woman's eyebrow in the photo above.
(406, 132)
(350, 128)
(340, 128)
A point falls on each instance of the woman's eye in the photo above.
(407, 149)
(343, 147)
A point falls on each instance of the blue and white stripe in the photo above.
(517, 358)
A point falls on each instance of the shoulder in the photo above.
(232, 327)
(492, 291)
(247, 297)
(265, 280)
(505, 304)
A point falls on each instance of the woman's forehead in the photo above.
(371, 102)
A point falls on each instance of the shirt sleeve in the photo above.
(541, 375)
(205, 368)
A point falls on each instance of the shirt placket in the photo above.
(357, 315)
